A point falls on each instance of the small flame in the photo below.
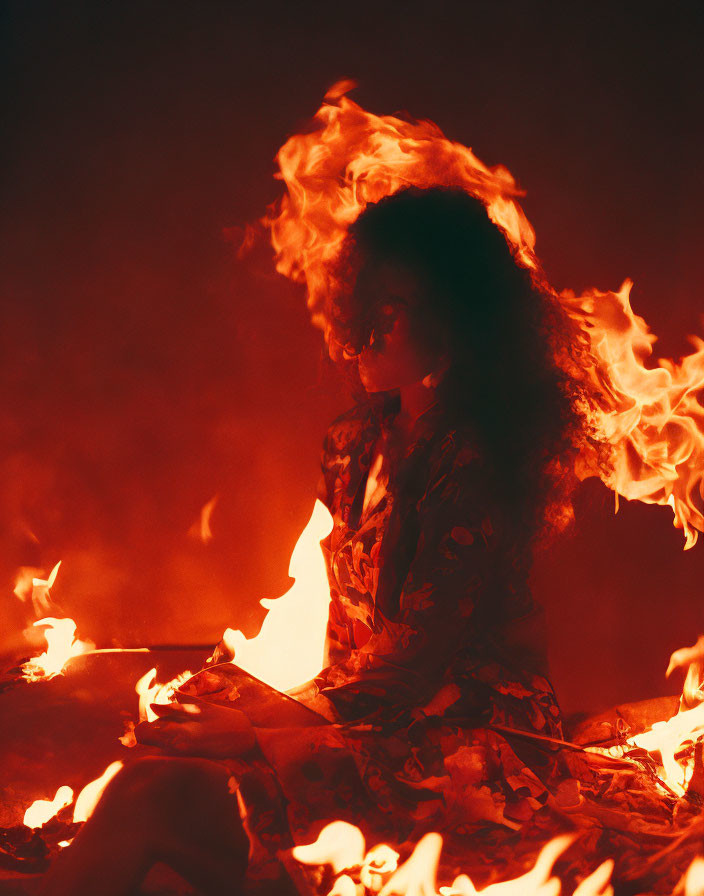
(42, 810)
(693, 659)
(29, 585)
(61, 646)
(418, 874)
(653, 417)
(289, 649)
(90, 795)
(150, 691)
(694, 878)
(201, 529)
(667, 739)
(339, 844)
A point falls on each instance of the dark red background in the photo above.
(144, 369)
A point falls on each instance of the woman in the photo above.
(440, 482)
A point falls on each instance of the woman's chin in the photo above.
(377, 380)
(370, 382)
(373, 385)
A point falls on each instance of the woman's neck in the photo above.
(416, 399)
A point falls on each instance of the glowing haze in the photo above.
(651, 415)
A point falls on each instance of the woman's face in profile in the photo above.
(399, 351)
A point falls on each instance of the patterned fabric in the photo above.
(433, 647)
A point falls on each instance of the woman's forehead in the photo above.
(388, 278)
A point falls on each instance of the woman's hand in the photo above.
(198, 728)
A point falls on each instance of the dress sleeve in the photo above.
(447, 580)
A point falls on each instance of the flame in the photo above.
(667, 739)
(42, 810)
(29, 585)
(150, 691)
(339, 844)
(201, 529)
(418, 875)
(289, 649)
(694, 878)
(652, 416)
(378, 863)
(90, 795)
(342, 846)
(61, 646)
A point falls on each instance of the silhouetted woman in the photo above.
(456, 461)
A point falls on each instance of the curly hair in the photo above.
(514, 352)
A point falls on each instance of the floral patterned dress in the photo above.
(433, 651)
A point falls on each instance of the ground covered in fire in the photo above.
(615, 802)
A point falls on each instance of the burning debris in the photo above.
(656, 772)
(61, 643)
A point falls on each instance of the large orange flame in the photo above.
(652, 416)
(289, 649)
